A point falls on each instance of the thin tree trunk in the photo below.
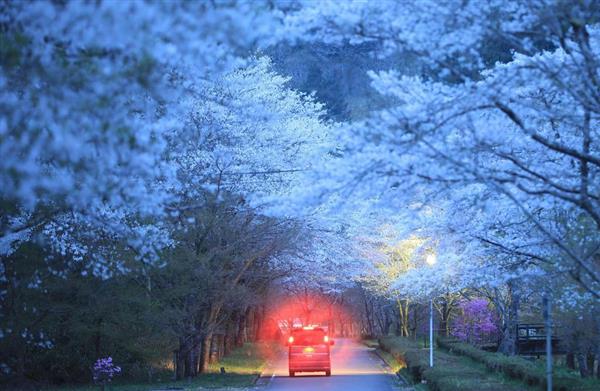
(403, 306)
(241, 331)
(445, 312)
(570, 360)
(221, 346)
(258, 320)
(597, 353)
(590, 363)
(186, 364)
(183, 355)
(229, 337)
(214, 349)
(368, 316)
(415, 324)
(508, 345)
(196, 352)
(205, 357)
(179, 365)
(582, 363)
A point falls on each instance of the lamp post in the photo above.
(431, 260)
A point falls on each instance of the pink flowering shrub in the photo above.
(104, 370)
(475, 322)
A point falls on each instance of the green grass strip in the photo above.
(242, 367)
(531, 373)
(450, 372)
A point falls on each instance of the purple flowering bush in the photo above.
(104, 370)
(475, 322)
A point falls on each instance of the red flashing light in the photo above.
(326, 339)
(291, 339)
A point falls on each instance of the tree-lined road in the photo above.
(354, 367)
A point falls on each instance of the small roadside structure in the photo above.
(531, 340)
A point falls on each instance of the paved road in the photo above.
(355, 367)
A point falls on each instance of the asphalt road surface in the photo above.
(354, 367)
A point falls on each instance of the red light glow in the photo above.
(308, 310)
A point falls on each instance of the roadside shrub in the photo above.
(449, 374)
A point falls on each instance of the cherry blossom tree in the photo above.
(91, 93)
(511, 143)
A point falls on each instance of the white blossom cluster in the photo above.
(114, 115)
(491, 157)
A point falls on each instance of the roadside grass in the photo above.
(242, 367)
(519, 368)
(249, 359)
(451, 372)
(202, 382)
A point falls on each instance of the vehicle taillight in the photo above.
(326, 339)
(291, 340)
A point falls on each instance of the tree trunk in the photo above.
(330, 322)
(582, 363)
(508, 344)
(189, 359)
(241, 330)
(97, 338)
(178, 365)
(403, 310)
(229, 338)
(205, 357)
(181, 358)
(221, 346)
(21, 361)
(570, 360)
(196, 352)
(214, 350)
(259, 314)
(368, 315)
(415, 324)
(444, 317)
(590, 364)
(597, 352)
(397, 327)
(250, 323)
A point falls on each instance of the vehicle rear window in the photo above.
(308, 337)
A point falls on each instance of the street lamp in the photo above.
(431, 259)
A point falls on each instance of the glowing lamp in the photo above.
(431, 259)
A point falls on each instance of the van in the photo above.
(309, 350)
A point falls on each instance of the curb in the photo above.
(263, 380)
(265, 377)
(387, 366)
(389, 369)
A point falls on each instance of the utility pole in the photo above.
(548, 326)
(431, 333)
(431, 259)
